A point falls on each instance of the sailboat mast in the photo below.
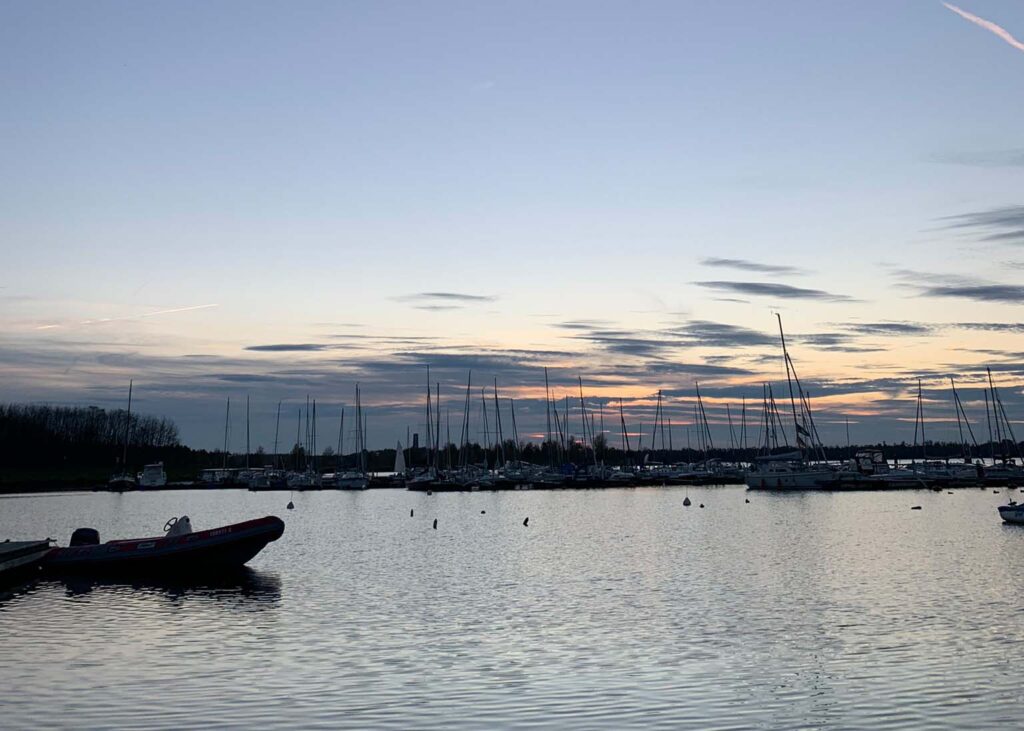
(277, 433)
(500, 452)
(227, 418)
(789, 379)
(248, 448)
(127, 431)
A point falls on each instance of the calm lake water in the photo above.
(614, 609)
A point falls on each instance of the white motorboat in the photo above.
(152, 475)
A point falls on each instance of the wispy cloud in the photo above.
(1004, 225)
(987, 25)
(984, 158)
(752, 266)
(101, 320)
(291, 348)
(445, 297)
(1008, 293)
(773, 289)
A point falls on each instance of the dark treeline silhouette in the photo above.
(34, 436)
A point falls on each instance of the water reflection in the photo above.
(241, 585)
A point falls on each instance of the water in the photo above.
(614, 609)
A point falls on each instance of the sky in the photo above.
(274, 200)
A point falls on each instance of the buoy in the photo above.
(435, 523)
(411, 512)
(916, 507)
(702, 505)
(747, 500)
(686, 502)
(995, 492)
(527, 522)
(482, 512)
(429, 492)
(291, 505)
(949, 492)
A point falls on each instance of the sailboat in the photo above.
(125, 480)
(793, 470)
(356, 479)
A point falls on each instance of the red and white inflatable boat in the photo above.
(178, 552)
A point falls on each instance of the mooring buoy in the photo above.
(483, 512)
(291, 505)
(702, 505)
(747, 500)
(686, 502)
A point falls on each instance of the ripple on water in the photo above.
(614, 609)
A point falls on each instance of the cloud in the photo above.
(102, 320)
(1004, 225)
(772, 289)
(1008, 327)
(1006, 293)
(445, 297)
(887, 328)
(290, 348)
(720, 335)
(985, 159)
(987, 25)
(752, 266)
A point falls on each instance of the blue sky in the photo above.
(184, 182)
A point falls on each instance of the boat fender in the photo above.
(85, 537)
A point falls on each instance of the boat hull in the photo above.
(1012, 514)
(797, 480)
(207, 551)
(21, 558)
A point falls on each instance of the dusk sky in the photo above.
(274, 200)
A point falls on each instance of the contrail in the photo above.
(133, 317)
(988, 25)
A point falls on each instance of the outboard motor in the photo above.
(178, 526)
(85, 537)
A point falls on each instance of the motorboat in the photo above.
(152, 475)
(1012, 513)
(179, 551)
(21, 558)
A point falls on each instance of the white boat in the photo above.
(152, 475)
(351, 481)
(788, 474)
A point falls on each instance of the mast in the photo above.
(500, 452)
(547, 406)
(743, 424)
(789, 379)
(515, 429)
(732, 434)
(227, 417)
(277, 432)
(988, 418)
(127, 431)
(247, 446)
(341, 442)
